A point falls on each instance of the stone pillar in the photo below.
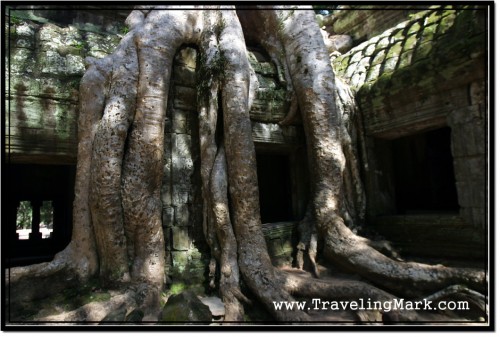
(35, 220)
(468, 144)
(12, 220)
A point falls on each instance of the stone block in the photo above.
(168, 216)
(181, 215)
(390, 64)
(458, 147)
(423, 50)
(22, 60)
(25, 29)
(185, 98)
(180, 238)
(356, 57)
(351, 70)
(383, 43)
(99, 45)
(461, 169)
(478, 217)
(471, 139)
(358, 79)
(379, 57)
(180, 194)
(478, 192)
(341, 43)
(186, 57)
(184, 308)
(476, 167)
(180, 121)
(189, 266)
(463, 194)
(369, 50)
(405, 59)
(167, 236)
(182, 168)
(395, 50)
(184, 76)
(373, 73)
(166, 188)
(166, 192)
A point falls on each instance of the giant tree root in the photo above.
(370, 303)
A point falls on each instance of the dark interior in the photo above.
(424, 174)
(275, 191)
(39, 187)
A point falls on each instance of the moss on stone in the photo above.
(433, 18)
(429, 31)
(177, 288)
(447, 21)
(395, 50)
(379, 57)
(423, 50)
(383, 43)
(410, 42)
(369, 50)
(415, 28)
(398, 35)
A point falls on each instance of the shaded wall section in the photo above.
(426, 74)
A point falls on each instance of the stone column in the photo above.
(35, 220)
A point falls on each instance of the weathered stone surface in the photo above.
(182, 168)
(365, 23)
(425, 73)
(168, 216)
(273, 133)
(46, 64)
(186, 307)
(340, 43)
(270, 103)
(180, 238)
(281, 240)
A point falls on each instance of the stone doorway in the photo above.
(275, 190)
(424, 176)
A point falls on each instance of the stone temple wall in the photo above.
(181, 187)
(45, 61)
(427, 72)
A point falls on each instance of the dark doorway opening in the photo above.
(275, 190)
(424, 174)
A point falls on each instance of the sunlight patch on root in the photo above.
(95, 311)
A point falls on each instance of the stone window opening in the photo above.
(38, 213)
(34, 220)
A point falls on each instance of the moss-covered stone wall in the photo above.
(425, 73)
(401, 70)
(45, 61)
(181, 194)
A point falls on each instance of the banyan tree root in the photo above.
(117, 231)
